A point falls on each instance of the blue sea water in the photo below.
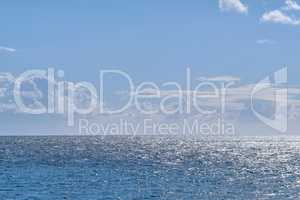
(158, 167)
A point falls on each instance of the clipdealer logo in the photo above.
(279, 121)
(61, 96)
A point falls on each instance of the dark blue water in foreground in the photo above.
(140, 168)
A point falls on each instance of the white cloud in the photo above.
(32, 95)
(233, 5)
(220, 79)
(7, 49)
(291, 5)
(265, 41)
(277, 16)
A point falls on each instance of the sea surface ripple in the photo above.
(149, 167)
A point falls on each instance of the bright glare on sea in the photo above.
(158, 167)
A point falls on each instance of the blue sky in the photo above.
(151, 40)
(146, 37)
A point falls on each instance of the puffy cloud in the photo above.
(233, 5)
(32, 95)
(291, 5)
(277, 16)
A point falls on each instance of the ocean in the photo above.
(149, 167)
